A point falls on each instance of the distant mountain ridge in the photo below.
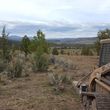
(15, 38)
(74, 40)
(84, 40)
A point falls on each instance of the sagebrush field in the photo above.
(33, 92)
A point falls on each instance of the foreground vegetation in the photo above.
(39, 90)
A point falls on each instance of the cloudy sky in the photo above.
(57, 18)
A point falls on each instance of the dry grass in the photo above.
(85, 64)
(35, 93)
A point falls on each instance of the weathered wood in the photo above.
(105, 81)
(103, 85)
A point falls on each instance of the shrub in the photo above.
(59, 81)
(8, 56)
(55, 51)
(2, 66)
(15, 70)
(52, 60)
(62, 51)
(86, 51)
(56, 81)
(66, 79)
(40, 63)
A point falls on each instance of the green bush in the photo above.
(41, 63)
(55, 51)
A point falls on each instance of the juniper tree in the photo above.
(4, 44)
(25, 43)
(41, 60)
(103, 34)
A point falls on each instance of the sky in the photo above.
(56, 18)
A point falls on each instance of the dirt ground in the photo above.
(35, 93)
